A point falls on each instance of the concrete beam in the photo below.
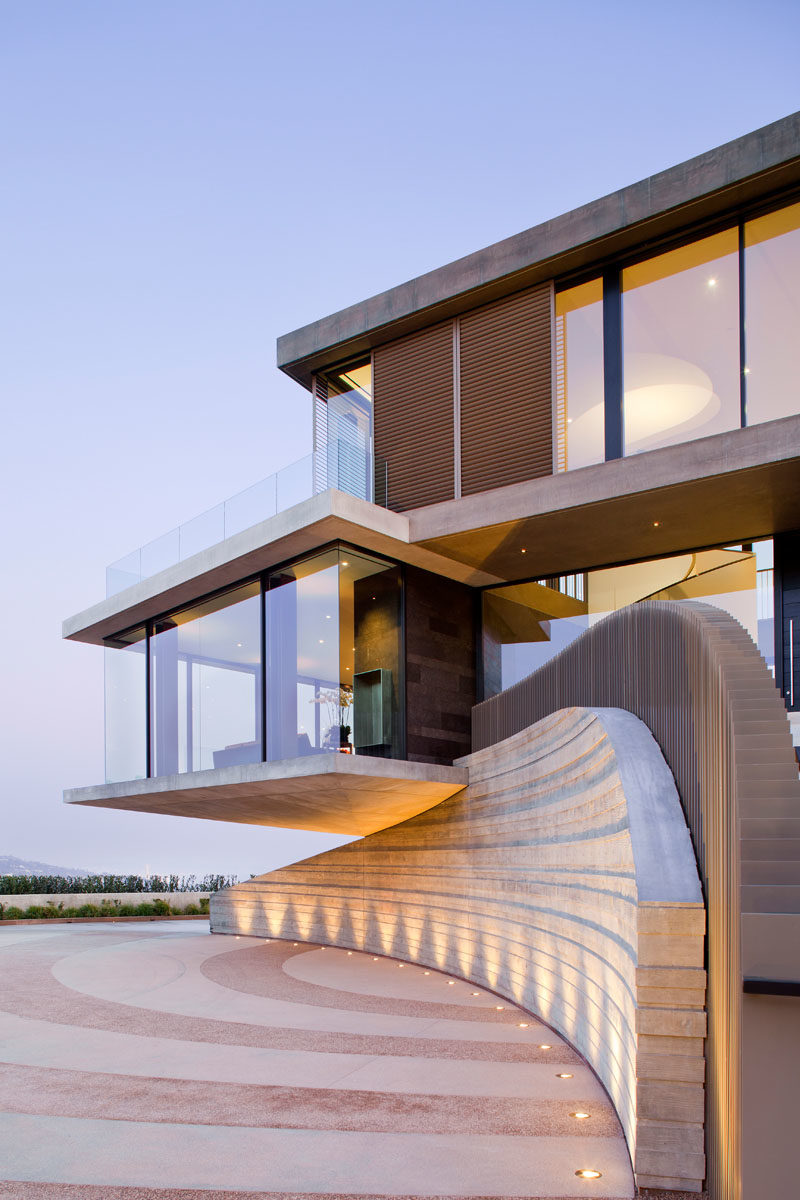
(329, 793)
(697, 190)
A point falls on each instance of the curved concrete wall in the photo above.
(694, 676)
(563, 878)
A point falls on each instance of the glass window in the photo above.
(580, 427)
(205, 681)
(344, 428)
(333, 657)
(681, 344)
(772, 315)
(527, 624)
(125, 707)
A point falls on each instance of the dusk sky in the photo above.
(183, 181)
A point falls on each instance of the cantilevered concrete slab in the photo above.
(328, 517)
(329, 793)
(763, 162)
(728, 487)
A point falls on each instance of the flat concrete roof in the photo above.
(702, 188)
(329, 793)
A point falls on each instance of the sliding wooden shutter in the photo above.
(413, 413)
(506, 392)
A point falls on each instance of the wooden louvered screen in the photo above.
(506, 392)
(413, 407)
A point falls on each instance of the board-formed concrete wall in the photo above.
(561, 878)
(694, 676)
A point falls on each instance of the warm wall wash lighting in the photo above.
(580, 1116)
(587, 1174)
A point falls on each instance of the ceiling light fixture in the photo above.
(580, 1116)
(545, 1046)
(563, 1075)
(586, 1173)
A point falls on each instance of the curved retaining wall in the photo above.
(562, 878)
(696, 679)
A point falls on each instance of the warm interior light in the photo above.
(564, 1075)
(588, 1174)
(580, 1116)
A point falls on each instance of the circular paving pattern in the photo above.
(144, 1061)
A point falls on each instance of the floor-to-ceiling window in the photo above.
(205, 684)
(772, 315)
(343, 429)
(126, 706)
(527, 624)
(333, 657)
(697, 340)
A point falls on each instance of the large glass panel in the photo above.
(205, 665)
(527, 624)
(681, 344)
(333, 657)
(772, 315)
(125, 707)
(348, 436)
(580, 424)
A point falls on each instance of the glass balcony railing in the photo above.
(343, 464)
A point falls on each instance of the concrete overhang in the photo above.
(328, 517)
(730, 487)
(329, 793)
(706, 188)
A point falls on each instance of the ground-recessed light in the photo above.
(585, 1173)
(580, 1116)
(564, 1075)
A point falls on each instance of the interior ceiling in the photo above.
(736, 507)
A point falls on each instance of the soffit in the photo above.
(732, 487)
(329, 793)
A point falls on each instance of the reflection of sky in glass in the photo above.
(772, 315)
(681, 344)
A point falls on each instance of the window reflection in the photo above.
(333, 657)
(205, 683)
(125, 707)
(681, 344)
(344, 427)
(527, 624)
(772, 308)
(580, 428)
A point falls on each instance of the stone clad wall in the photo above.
(561, 878)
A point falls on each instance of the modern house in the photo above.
(528, 621)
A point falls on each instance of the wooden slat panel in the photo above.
(506, 392)
(413, 399)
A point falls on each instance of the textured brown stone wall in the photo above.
(440, 667)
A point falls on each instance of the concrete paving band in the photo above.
(127, 1069)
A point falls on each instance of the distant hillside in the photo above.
(9, 865)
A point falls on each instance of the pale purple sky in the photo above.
(183, 181)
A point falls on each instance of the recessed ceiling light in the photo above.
(588, 1174)
(580, 1116)
(523, 1024)
(239, 644)
(349, 951)
(426, 972)
(374, 960)
(656, 524)
(344, 564)
(401, 964)
(545, 1046)
(747, 370)
(450, 982)
(564, 1075)
(476, 993)
(523, 551)
(499, 1007)
(322, 641)
(712, 283)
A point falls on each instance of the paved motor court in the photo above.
(152, 1060)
